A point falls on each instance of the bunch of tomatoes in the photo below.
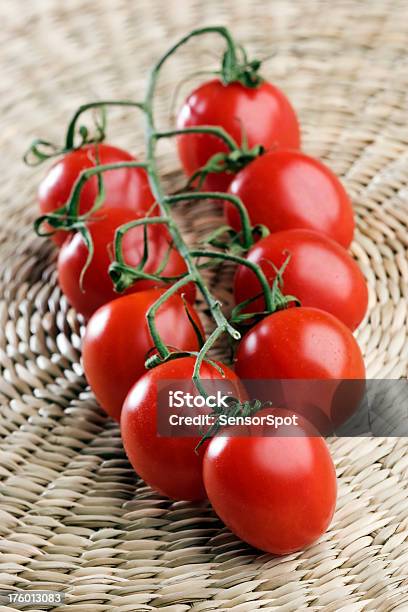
(276, 492)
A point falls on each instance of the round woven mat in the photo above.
(73, 515)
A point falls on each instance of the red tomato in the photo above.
(97, 288)
(308, 345)
(168, 463)
(276, 493)
(263, 114)
(320, 273)
(117, 342)
(287, 190)
(127, 187)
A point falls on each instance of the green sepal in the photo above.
(246, 73)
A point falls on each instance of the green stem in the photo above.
(151, 315)
(70, 135)
(73, 203)
(244, 262)
(124, 276)
(212, 338)
(221, 30)
(164, 203)
(121, 231)
(141, 274)
(228, 197)
(219, 132)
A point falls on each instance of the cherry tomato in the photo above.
(263, 114)
(117, 342)
(320, 273)
(276, 493)
(168, 463)
(97, 287)
(312, 347)
(127, 187)
(287, 190)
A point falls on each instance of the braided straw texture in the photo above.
(73, 515)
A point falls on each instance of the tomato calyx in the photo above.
(76, 137)
(68, 217)
(227, 238)
(124, 276)
(155, 360)
(60, 219)
(244, 71)
(278, 300)
(236, 408)
(42, 150)
(230, 163)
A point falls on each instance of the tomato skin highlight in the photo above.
(117, 342)
(126, 187)
(299, 343)
(276, 493)
(264, 114)
(97, 288)
(314, 350)
(320, 273)
(168, 464)
(287, 189)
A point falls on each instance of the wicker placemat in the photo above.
(73, 515)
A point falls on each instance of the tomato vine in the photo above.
(235, 67)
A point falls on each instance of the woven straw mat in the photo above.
(74, 517)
